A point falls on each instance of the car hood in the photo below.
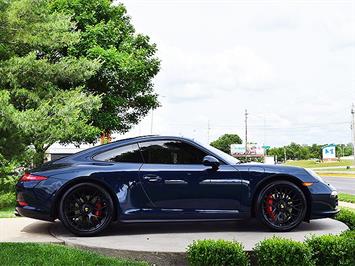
(273, 168)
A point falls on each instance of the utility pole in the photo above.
(353, 128)
(151, 122)
(246, 131)
(285, 157)
(208, 131)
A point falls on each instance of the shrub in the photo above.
(8, 175)
(7, 200)
(349, 234)
(280, 251)
(347, 216)
(333, 250)
(216, 252)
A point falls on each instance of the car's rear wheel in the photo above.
(86, 209)
(281, 206)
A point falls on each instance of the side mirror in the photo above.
(211, 161)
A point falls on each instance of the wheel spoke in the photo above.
(86, 209)
(283, 205)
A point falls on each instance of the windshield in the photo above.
(226, 157)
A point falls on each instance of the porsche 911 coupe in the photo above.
(164, 179)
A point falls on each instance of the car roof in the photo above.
(103, 147)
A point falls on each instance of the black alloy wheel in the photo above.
(86, 209)
(281, 206)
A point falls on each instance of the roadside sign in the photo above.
(328, 152)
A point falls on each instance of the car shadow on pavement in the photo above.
(199, 227)
(242, 226)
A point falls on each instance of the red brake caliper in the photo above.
(98, 207)
(269, 202)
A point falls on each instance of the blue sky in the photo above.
(290, 63)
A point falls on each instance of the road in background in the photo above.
(342, 184)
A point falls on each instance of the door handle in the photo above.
(152, 178)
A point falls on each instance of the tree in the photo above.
(223, 143)
(62, 118)
(40, 82)
(128, 62)
(11, 141)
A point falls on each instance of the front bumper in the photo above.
(324, 201)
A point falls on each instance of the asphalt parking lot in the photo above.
(342, 184)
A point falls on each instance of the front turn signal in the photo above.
(307, 184)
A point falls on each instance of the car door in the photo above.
(121, 171)
(177, 183)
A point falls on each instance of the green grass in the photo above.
(314, 164)
(51, 254)
(7, 212)
(346, 197)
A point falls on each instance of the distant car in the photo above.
(162, 179)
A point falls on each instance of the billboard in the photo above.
(237, 149)
(328, 152)
(253, 149)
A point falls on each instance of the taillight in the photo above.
(22, 203)
(30, 177)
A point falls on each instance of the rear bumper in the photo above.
(35, 199)
(31, 212)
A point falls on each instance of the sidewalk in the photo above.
(347, 204)
(26, 230)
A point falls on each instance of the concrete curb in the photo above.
(153, 258)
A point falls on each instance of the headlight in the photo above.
(334, 194)
(314, 174)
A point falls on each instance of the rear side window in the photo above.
(125, 154)
(171, 152)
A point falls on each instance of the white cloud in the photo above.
(192, 76)
(291, 64)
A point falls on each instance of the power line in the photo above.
(295, 126)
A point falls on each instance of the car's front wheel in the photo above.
(86, 209)
(281, 206)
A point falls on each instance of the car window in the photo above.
(171, 152)
(125, 154)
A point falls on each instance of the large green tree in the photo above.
(224, 142)
(42, 100)
(62, 118)
(128, 61)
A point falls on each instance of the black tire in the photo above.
(86, 209)
(281, 206)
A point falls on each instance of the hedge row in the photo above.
(317, 250)
(347, 216)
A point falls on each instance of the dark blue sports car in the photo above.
(156, 178)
